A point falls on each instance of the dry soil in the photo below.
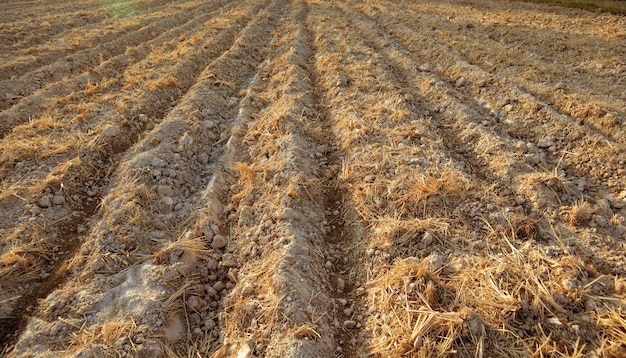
(311, 178)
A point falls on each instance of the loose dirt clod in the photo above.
(304, 178)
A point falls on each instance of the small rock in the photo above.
(157, 162)
(166, 190)
(58, 200)
(555, 321)
(545, 142)
(287, 214)
(193, 301)
(209, 324)
(45, 202)
(475, 324)
(601, 221)
(427, 239)
(436, 261)
(218, 242)
(247, 289)
(508, 107)
(219, 286)
(208, 124)
(109, 132)
(569, 284)
(203, 158)
(347, 312)
(461, 82)
(341, 284)
(519, 200)
(342, 301)
(541, 202)
(425, 67)
(560, 298)
(229, 263)
(349, 324)
(168, 203)
(370, 178)
(211, 291)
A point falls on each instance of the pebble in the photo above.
(193, 301)
(555, 321)
(427, 239)
(209, 324)
(218, 242)
(110, 132)
(541, 202)
(287, 214)
(425, 67)
(166, 190)
(545, 142)
(58, 200)
(168, 202)
(370, 178)
(210, 291)
(229, 261)
(45, 202)
(219, 286)
(342, 301)
(349, 324)
(341, 284)
(247, 289)
(208, 124)
(569, 284)
(601, 221)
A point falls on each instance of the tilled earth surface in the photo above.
(311, 179)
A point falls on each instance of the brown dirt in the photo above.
(311, 178)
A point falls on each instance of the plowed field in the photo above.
(311, 179)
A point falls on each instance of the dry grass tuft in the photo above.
(167, 81)
(90, 89)
(105, 335)
(191, 248)
(247, 173)
(579, 213)
(416, 305)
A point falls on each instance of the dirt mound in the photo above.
(311, 178)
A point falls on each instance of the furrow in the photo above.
(56, 23)
(156, 80)
(83, 60)
(429, 220)
(161, 198)
(527, 119)
(105, 74)
(96, 31)
(593, 97)
(516, 172)
(81, 178)
(280, 306)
